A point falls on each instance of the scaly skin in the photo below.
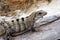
(18, 26)
(25, 23)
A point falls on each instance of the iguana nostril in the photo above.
(22, 19)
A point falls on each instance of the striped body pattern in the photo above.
(20, 25)
(14, 26)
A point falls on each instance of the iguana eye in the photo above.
(40, 13)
